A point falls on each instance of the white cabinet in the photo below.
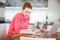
(2, 31)
(2, 26)
(34, 3)
(3, 1)
(7, 27)
(2, 12)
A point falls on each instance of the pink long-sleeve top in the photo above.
(18, 23)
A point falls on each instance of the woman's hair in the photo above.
(27, 5)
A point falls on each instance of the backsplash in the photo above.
(37, 14)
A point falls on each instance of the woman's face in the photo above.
(26, 12)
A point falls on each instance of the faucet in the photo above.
(37, 25)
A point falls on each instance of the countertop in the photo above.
(28, 38)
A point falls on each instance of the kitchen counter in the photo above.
(28, 38)
(33, 36)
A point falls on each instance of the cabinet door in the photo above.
(2, 31)
(7, 27)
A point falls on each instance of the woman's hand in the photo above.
(35, 31)
(15, 36)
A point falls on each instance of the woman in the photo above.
(20, 21)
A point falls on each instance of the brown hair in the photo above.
(27, 5)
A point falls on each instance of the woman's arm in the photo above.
(28, 32)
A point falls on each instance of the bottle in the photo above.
(46, 19)
(37, 25)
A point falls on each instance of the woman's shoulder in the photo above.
(18, 15)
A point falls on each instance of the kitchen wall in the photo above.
(53, 10)
(37, 14)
